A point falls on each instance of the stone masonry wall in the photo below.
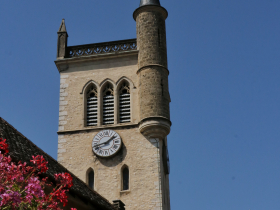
(151, 38)
(153, 73)
(138, 153)
(141, 155)
(153, 92)
(72, 104)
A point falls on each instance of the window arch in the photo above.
(92, 105)
(90, 178)
(125, 178)
(124, 102)
(108, 104)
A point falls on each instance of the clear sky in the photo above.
(224, 84)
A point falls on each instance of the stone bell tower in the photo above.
(114, 113)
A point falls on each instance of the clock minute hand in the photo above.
(105, 142)
(109, 139)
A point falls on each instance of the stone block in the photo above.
(64, 113)
(64, 76)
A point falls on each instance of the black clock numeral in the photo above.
(115, 147)
(106, 153)
(101, 152)
(106, 133)
(117, 141)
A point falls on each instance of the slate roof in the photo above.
(21, 148)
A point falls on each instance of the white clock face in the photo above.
(106, 143)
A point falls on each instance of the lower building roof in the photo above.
(22, 149)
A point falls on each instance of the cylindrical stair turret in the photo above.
(153, 73)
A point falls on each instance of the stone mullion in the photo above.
(99, 108)
(116, 106)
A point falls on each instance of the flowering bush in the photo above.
(21, 188)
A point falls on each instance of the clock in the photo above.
(106, 143)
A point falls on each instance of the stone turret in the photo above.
(62, 41)
(153, 71)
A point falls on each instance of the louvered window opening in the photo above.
(125, 104)
(108, 107)
(92, 108)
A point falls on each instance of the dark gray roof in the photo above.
(22, 149)
(149, 2)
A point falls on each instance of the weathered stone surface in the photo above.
(138, 153)
(151, 38)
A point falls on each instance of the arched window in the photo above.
(92, 106)
(108, 105)
(125, 178)
(90, 178)
(124, 102)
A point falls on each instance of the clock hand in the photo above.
(105, 142)
(110, 139)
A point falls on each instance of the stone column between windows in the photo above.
(99, 107)
(116, 106)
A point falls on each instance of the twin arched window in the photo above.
(109, 104)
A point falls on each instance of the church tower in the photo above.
(114, 112)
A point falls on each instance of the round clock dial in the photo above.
(106, 143)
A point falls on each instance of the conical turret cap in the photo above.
(149, 2)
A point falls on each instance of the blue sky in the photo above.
(224, 84)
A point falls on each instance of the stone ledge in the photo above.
(62, 64)
(132, 125)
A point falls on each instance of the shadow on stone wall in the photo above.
(116, 159)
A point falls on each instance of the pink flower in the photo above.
(20, 184)
(10, 197)
(34, 188)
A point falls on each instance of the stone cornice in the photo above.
(63, 64)
(98, 128)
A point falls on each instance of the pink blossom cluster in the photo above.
(21, 188)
